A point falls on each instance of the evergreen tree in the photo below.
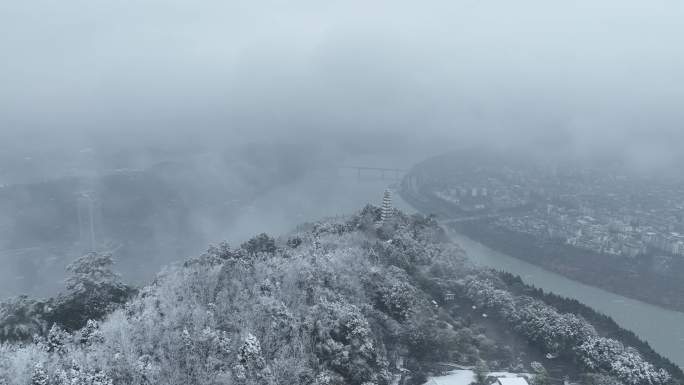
(39, 376)
(93, 290)
(262, 243)
(481, 372)
(56, 340)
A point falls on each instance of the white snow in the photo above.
(512, 381)
(455, 377)
(466, 377)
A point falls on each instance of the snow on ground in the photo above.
(464, 377)
(509, 374)
(455, 377)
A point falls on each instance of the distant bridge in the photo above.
(383, 173)
(471, 218)
(17, 252)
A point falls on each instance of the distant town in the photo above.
(610, 214)
(578, 220)
(624, 225)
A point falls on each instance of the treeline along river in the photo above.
(661, 328)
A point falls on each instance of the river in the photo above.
(663, 329)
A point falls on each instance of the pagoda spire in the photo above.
(386, 212)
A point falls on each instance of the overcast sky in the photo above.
(580, 74)
(376, 78)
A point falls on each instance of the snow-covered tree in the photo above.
(57, 339)
(91, 334)
(93, 290)
(21, 318)
(39, 376)
(251, 367)
(262, 243)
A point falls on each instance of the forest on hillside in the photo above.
(346, 301)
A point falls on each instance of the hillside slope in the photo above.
(346, 302)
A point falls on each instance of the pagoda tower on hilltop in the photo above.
(386, 212)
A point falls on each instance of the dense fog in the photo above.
(580, 75)
(214, 120)
(341, 192)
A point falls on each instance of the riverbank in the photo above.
(660, 328)
(616, 274)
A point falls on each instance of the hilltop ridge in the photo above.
(351, 301)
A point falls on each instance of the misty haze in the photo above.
(341, 192)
